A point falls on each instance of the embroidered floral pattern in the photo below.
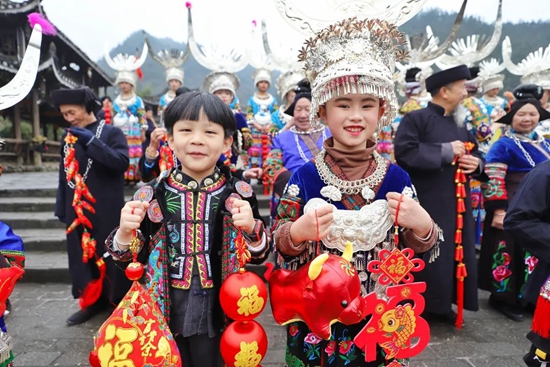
(312, 349)
(501, 271)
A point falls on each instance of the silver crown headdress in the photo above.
(489, 73)
(125, 65)
(534, 69)
(223, 60)
(354, 56)
(287, 82)
(472, 49)
(351, 55)
(259, 59)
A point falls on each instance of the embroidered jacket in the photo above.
(505, 157)
(188, 231)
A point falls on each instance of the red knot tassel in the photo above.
(541, 319)
(93, 290)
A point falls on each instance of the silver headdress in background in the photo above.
(125, 65)
(489, 74)
(173, 59)
(472, 49)
(223, 60)
(424, 51)
(534, 69)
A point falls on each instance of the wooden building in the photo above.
(62, 65)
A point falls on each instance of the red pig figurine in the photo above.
(320, 293)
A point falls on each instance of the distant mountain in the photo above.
(526, 37)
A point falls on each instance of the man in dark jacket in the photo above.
(528, 221)
(102, 154)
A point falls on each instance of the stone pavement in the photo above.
(37, 325)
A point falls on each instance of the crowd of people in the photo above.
(462, 171)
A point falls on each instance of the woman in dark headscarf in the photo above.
(504, 266)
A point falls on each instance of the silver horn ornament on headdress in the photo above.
(22, 83)
(474, 48)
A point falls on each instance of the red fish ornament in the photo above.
(320, 293)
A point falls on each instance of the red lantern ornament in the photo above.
(243, 296)
(243, 344)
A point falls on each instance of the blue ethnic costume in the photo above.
(504, 266)
(12, 251)
(307, 183)
(130, 118)
(187, 242)
(290, 150)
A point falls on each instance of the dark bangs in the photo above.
(189, 106)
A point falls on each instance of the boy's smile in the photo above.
(198, 146)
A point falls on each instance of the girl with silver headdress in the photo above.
(129, 108)
(262, 115)
(353, 93)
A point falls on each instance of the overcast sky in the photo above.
(92, 24)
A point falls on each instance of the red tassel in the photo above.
(460, 207)
(461, 272)
(461, 191)
(462, 177)
(459, 221)
(458, 236)
(541, 319)
(459, 303)
(457, 175)
(93, 290)
(139, 73)
(459, 254)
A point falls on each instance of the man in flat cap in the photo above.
(429, 145)
(102, 154)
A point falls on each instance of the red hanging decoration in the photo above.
(136, 333)
(81, 193)
(93, 290)
(243, 344)
(461, 273)
(243, 296)
(107, 116)
(541, 321)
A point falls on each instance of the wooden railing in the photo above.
(19, 151)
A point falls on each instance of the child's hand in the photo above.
(242, 215)
(131, 216)
(312, 226)
(411, 215)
